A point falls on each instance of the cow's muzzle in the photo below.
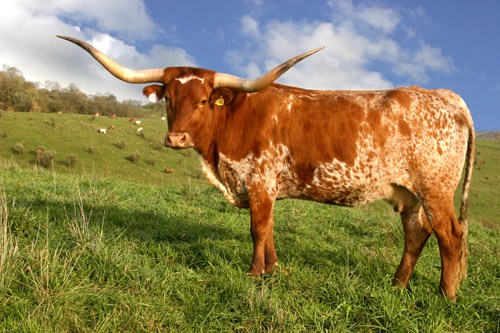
(178, 140)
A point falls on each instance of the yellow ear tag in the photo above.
(220, 101)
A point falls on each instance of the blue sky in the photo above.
(369, 44)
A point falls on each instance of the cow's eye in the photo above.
(203, 101)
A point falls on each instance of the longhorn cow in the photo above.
(260, 141)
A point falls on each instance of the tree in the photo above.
(21, 95)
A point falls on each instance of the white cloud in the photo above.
(384, 19)
(127, 18)
(33, 48)
(342, 65)
(381, 18)
(358, 37)
(250, 27)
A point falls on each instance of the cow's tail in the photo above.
(462, 219)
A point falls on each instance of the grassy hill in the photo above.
(484, 204)
(108, 155)
(488, 135)
(112, 245)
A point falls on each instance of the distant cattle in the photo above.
(112, 115)
(112, 127)
(163, 118)
(137, 122)
(260, 141)
(132, 120)
(139, 129)
(59, 112)
(169, 170)
(101, 130)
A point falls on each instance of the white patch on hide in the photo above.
(184, 80)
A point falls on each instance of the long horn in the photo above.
(122, 73)
(231, 81)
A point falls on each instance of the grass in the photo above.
(93, 254)
(99, 243)
(485, 188)
(106, 155)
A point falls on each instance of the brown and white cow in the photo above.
(260, 141)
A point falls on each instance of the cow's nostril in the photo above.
(182, 139)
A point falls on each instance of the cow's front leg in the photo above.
(261, 213)
(271, 257)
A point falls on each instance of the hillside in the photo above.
(122, 153)
(484, 206)
(489, 135)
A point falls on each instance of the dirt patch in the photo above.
(489, 224)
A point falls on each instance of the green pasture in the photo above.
(110, 245)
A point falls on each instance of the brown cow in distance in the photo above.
(260, 142)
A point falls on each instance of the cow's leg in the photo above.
(261, 213)
(271, 257)
(417, 230)
(448, 231)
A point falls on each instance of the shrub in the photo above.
(4, 135)
(121, 145)
(71, 160)
(158, 145)
(151, 161)
(38, 151)
(53, 121)
(134, 158)
(18, 149)
(46, 158)
(90, 150)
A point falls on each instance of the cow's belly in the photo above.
(338, 194)
(333, 183)
(338, 184)
(334, 192)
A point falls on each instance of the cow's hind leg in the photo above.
(415, 226)
(448, 231)
(416, 230)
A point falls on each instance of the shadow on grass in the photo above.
(207, 223)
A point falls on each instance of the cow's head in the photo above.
(192, 95)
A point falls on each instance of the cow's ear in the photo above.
(221, 97)
(154, 92)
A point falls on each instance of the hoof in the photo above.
(270, 268)
(254, 272)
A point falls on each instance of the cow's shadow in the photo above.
(191, 235)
